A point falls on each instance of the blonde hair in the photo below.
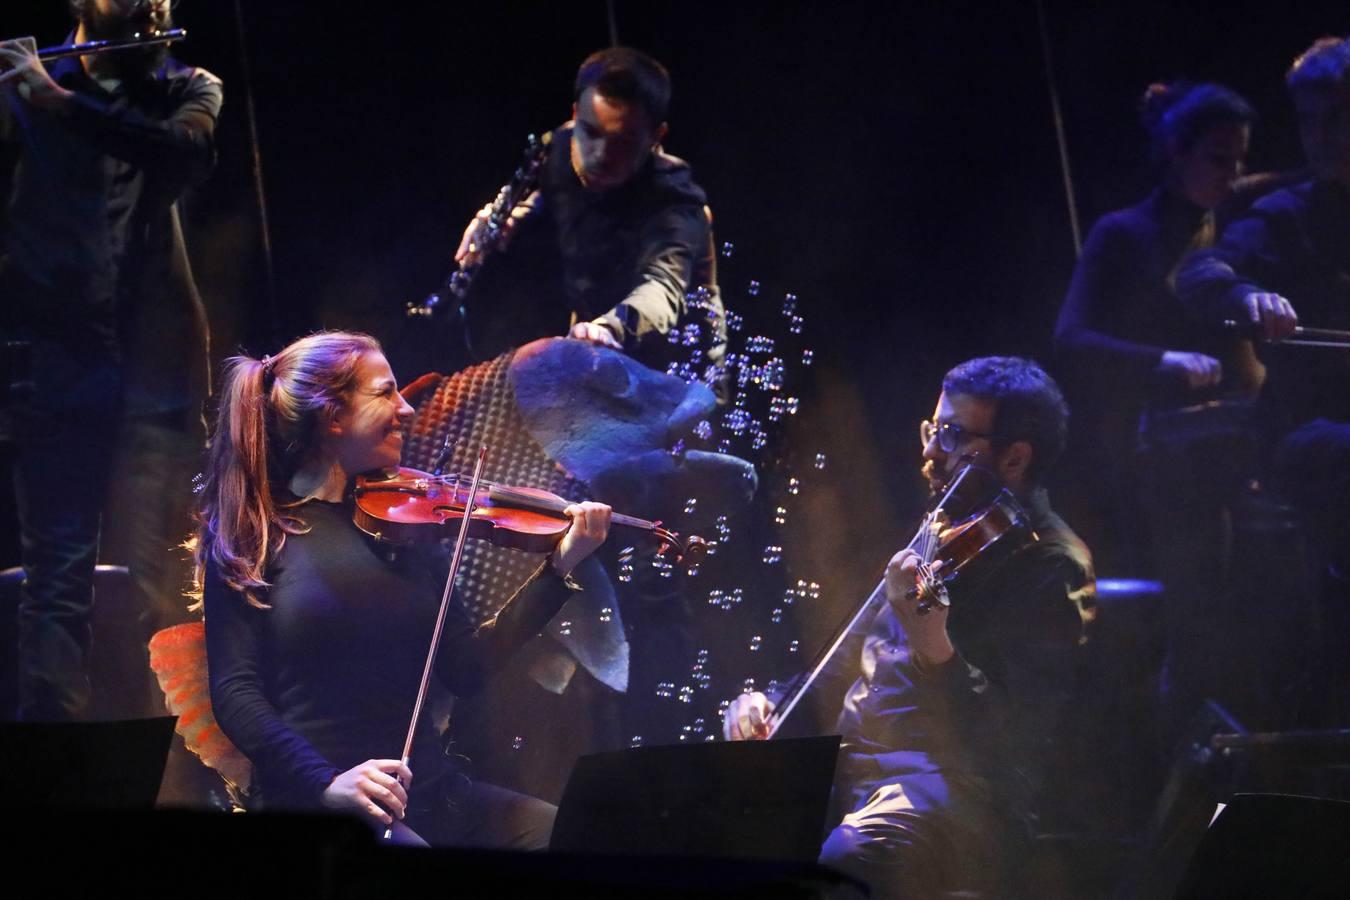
(271, 414)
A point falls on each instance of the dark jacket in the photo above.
(93, 255)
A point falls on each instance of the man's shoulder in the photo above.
(1286, 201)
(1124, 227)
(1057, 544)
(1062, 544)
(181, 76)
(673, 178)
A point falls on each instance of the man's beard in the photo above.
(133, 63)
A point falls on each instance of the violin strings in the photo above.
(525, 501)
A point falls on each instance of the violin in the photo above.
(407, 506)
(973, 516)
(999, 522)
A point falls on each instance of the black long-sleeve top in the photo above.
(1120, 314)
(93, 251)
(987, 713)
(631, 253)
(326, 677)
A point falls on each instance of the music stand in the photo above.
(749, 800)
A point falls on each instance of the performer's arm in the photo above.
(747, 716)
(1081, 334)
(1038, 627)
(671, 244)
(1083, 337)
(467, 656)
(377, 788)
(1224, 282)
(240, 704)
(179, 149)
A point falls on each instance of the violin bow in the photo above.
(924, 542)
(440, 616)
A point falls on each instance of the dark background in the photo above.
(894, 165)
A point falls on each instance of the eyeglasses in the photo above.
(949, 436)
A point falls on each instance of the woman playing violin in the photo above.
(316, 634)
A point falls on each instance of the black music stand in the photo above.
(749, 800)
(84, 765)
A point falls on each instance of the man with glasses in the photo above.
(94, 153)
(950, 708)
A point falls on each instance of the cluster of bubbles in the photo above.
(698, 730)
(757, 377)
(726, 601)
(626, 564)
(782, 406)
(698, 672)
